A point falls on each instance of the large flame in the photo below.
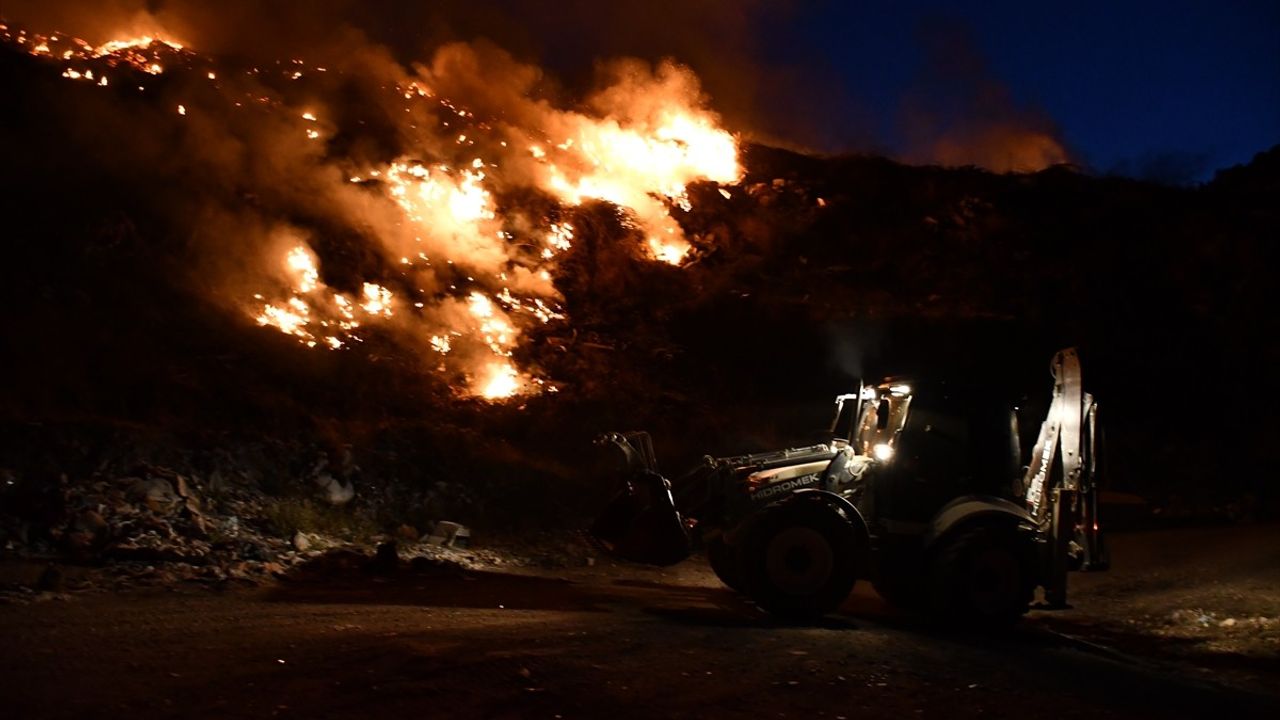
(465, 284)
(641, 160)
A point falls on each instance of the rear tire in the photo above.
(982, 577)
(726, 563)
(801, 561)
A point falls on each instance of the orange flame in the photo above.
(645, 139)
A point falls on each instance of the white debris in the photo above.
(450, 534)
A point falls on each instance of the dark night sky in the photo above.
(1169, 88)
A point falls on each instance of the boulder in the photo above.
(156, 493)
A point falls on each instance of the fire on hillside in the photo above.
(469, 210)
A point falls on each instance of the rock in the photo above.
(87, 534)
(450, 534)
(198, 524)
(156, 493)
(230, 526)
(335, 491)
(79, 544)
(256, 551)
(237, 570)
(91, 521)
(300, 542)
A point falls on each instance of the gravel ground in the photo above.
(620, 641)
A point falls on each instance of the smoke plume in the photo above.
(960, 114)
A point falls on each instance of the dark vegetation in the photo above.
(815, 272)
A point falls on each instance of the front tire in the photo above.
(801, 561)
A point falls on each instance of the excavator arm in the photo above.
(1060, 485)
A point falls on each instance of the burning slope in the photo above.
(455, 186)
(135, 212)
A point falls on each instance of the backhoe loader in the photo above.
(926, 494)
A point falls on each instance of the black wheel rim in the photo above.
(799, 561)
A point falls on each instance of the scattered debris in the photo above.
(335, 492)
(226, 516)
(450, 534)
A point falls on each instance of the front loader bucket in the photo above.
(641, 523)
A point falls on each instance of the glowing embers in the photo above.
(377, 300)
(312, 133)
(302, 265)
(142, 53)
(496, 330)
(315, 314)
(438, 196)
(500, 381)
(143, 42)
(668, 251)
(291, 318)
(441, 344)
(478, 342)
(559, 239)
(146, 53)
(497, 378)
(536, 307)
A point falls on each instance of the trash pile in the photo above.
(142, 524)
(152, 526)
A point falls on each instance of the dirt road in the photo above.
(616, 641)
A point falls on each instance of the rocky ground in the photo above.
(1207, 599)
(149, 526)
(344, 635)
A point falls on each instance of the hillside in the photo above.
(125, 342)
